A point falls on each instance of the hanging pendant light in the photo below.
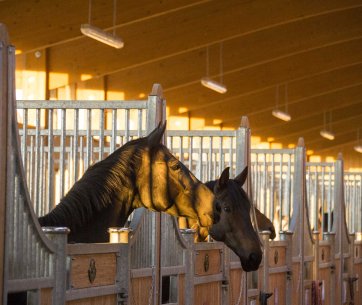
(358, 147)
(327, 133)
(208, 82)
(280, 114)
(98, 34)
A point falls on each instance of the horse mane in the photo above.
(104, 184)
(211, 184)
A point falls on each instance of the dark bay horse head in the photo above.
(232, 221)
(264, 224)
(141, 173)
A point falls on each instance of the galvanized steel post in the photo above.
(59, 237)
(188, 235)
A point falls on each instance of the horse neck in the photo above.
(102, 198)
(96, 231)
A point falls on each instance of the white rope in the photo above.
(242, 279)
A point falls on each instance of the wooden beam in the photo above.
(153, 40)
(301, 93)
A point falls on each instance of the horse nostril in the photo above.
(253, 258)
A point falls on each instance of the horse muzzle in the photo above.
(252, 262)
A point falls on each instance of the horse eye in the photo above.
(176, 166)
(227, 209)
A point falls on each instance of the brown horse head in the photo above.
(232, 221)
(165, 184)
(141, 173)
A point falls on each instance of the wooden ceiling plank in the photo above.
(269, 75)
(153, 40)
(298, 91)
(38, 24)
(239, 53)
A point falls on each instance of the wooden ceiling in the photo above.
(311, 48)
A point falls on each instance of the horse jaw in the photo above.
(204, 205)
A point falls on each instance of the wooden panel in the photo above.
(105, 270)
(141, 290)
(103, 300)
(358, 250)
(357, 271)
(181, 290)
(208, 262)
(209, 294)
(277, 257)
(325, 277)
(277, 285)
(235, 280)
(358, 284)
(324, 254)
(46, 296)
(296, 278)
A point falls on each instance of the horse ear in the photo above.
(223, 180)
(241, 178)
(154, 138)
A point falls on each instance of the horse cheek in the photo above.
(160, 195)
(143, 181)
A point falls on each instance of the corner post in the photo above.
(264, 289)
(188, 235)
(58, 235)
(288, 237)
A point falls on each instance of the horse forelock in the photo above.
(235, 195)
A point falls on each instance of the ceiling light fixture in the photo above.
(213, 85)
(279, 114)
(208, 82)
(98, 34)
(327, 133)
(358, 147)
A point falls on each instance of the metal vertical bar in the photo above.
(139, 131)
(114, 128)
(221, 165)
(126, 125)
(81, 148)
(25, 137)
(271, 215)
(40, 203)
(201, 160)
(37, 161)
(62, 151)
(265, 182)
(322, 191)
(281, 193)
(30, 172)
(191, 147)
(171, 143)
(231, 157)
(209, 162)
(89, 139)
(181, 150)
(101, 135)
(289, 189)
(75, 144)
(70, 164)
(330, 202)
(50, 194)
